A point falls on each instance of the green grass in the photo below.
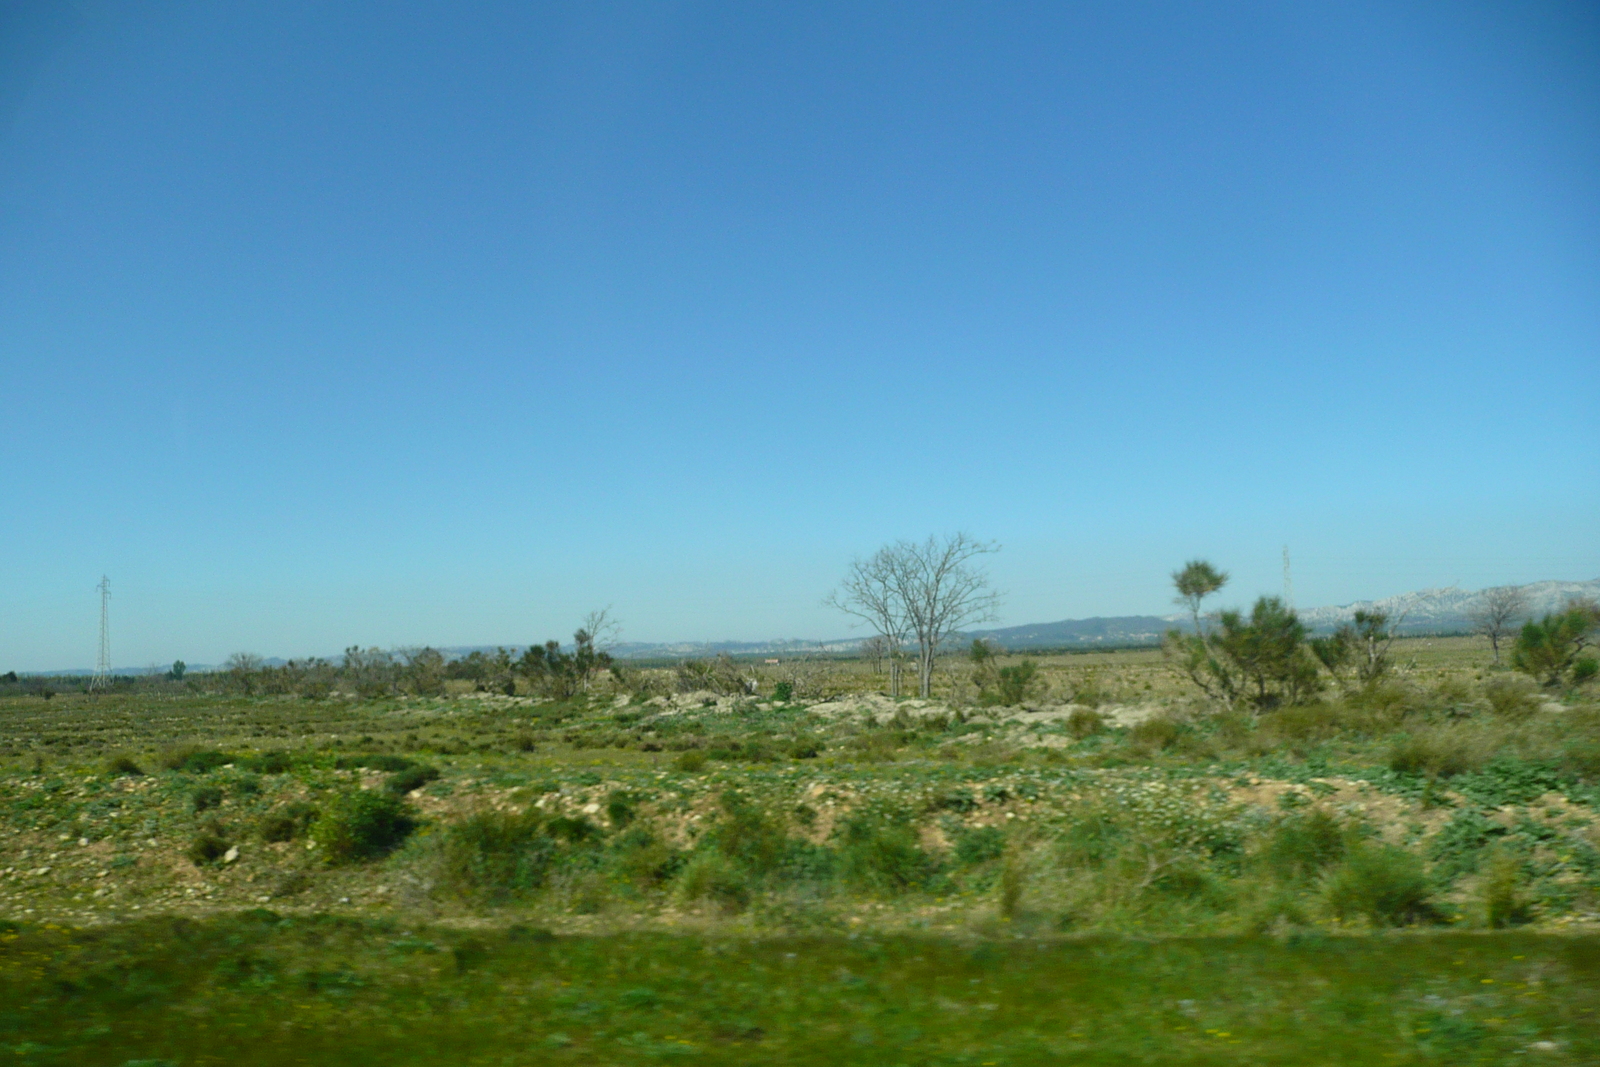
(757, 880)
(262, 989)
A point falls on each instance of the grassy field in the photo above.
(265, 989)
(1108, 872)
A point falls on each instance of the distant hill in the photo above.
(1427, 611)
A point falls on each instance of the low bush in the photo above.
(1511, 698)
(1012, 685)
(1082, 722)
(275, 762)
(287, 823)
(711, 876)
(388, 764)
(192, 760)
(1386, 885)
(979, 845)
(209, 845)
(206, 797)
(879, 853)
(689, 761)
(1441, 753)
(362, 824)
(783, 692)
(409, 778)
(1156, 734)
(1301, 847)
(123, 765)
(495, 856)
(1504, 903)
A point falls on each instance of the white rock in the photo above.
(231, 855)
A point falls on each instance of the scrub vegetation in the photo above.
(1385, 845)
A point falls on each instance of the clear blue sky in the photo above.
(443, 323)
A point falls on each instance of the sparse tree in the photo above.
(177, 671)
(243, 669)
(875, 648)
(869, 593)
(424, 671)
(1552, 647)
(1497, 614)
(1197, 580)
(940, 593)
(1263, 661)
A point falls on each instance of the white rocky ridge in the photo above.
(1449, 610)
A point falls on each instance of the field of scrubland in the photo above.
(1110, 870)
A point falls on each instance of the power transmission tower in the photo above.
(1288, 582)
(102, 665)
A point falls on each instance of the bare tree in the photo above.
(875, 648)
(1499, 613)
(602, 629)
(939, 592)
(870, 594)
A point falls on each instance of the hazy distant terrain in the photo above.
(1425, 611)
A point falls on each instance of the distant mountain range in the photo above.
(1427, 611)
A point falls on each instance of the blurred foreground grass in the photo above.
(258, 988)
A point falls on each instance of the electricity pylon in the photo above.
(102, 663)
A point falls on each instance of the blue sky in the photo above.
(419, 323)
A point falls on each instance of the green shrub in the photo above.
(1011, 885)
(783, 692)
(690, 761)
(193, 760)
(409, 778)
(208, 846)
(980, 845)
(1156, 734)
(388, 764)
(880, 853)
(1551, 647)
(1581, 759)
(123, 765)
(275, 762)
(711, 876)
(621, 808)
(1503, 901)
(573, 831)
(206, 797)
(1458, 847)
(1584, 670)
(1091, 839)
(1308, 722)
(287, 823)
(1083, 722)
(749, 836)
(496, 856)
(1441, 753)
(644, 860)
(1301, 847)
(1012, 685)
(1386, 885)
(1512, 699)
(362, 824)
